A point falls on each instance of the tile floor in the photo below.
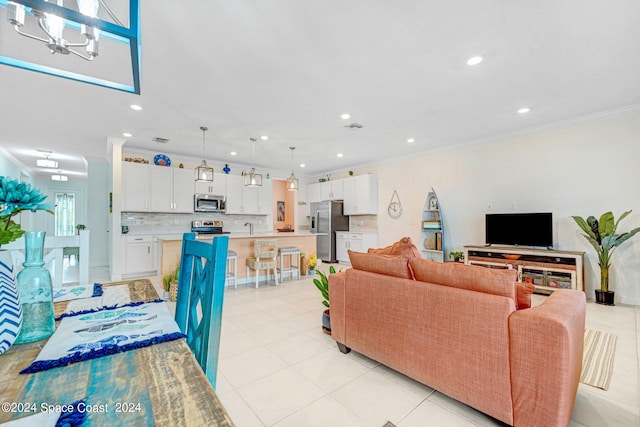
(277, 368)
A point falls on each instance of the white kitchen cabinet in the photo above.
(314, 193)
(171, 190)
(248, 200)
(360, 195)
(218, 187)
(331, 190)
(354, 241)
(139, 255)
(135, 187)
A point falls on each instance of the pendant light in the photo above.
(292, 181)
(251, 178)
(204, 173)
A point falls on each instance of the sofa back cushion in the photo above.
(389, 265)
(404, 247)
(471, 277)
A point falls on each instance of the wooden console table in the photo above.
(546, 269)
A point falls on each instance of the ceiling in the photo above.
(288, 69)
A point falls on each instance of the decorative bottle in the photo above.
(36, 292)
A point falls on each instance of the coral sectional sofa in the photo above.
(456, 328)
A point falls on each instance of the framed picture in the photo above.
(280, 210)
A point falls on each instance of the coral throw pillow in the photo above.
(404, 247)
(523, 295)
(389, 265)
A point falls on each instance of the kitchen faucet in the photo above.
(250, 224)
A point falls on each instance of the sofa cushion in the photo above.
(523, 295)
(472, 277)
(389, 265)
(403, 247)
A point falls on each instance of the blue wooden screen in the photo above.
(200, 298)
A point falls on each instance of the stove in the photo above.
(201, 226)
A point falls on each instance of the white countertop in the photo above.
(168, 237)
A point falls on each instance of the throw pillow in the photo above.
(389, 265)
(472, 277)
(523, 295)
(403, 247)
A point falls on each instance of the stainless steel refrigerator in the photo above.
(327, 218)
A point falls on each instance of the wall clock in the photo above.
(395, 208)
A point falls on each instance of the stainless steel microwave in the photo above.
(209, 203)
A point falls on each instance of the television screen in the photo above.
(524, 229)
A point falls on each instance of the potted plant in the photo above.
(80, 227)
(323, 286)
(602, 236)
(169, 281)
(313, 261)
(456, 256)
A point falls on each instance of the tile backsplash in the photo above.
(363, 223)
(156, 223)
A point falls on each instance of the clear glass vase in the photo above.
(36, 292)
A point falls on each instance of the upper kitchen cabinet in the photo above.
(150, 188)
(135, 187)
(218, 187)
(171, 189)
(331, 190)
(248, 200)
(314, 193)
(360, 195)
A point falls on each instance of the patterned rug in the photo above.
(597, 359)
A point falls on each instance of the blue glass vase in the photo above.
(36, 292)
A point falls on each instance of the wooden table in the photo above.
(160, 385)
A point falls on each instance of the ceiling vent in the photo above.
(160, 140)
(354, 126)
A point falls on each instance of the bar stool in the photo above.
(291, 252)
(265, 253)
(232, 257)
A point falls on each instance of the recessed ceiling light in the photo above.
(411, 140)
(127, 135)
(340, 154)
(233, 153)
(524, 110)
(264, 137)
(135, 107)
(345, 116)
(302, 165)
(474, 60)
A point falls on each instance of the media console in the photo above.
(547, 270)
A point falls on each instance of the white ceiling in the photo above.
(289, 68)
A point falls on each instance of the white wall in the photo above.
(585, 169)
(98, 212)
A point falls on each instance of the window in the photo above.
(65, 214)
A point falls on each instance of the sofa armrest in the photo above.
(546, 345)
(337, 305)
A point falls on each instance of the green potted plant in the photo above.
(168, 280)
(323, 286)
(602, 236)
(80, 227)
(456, 256)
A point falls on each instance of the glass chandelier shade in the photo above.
(252, 178)
(292, 181)
(204, 173)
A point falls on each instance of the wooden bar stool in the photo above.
(291, 252)
(265, 253)
(232, 274)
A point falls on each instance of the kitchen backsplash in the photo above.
(155, 223)
(363, 223)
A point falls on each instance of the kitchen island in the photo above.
(241, 243)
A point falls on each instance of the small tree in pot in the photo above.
(602, 236)
(323, 286)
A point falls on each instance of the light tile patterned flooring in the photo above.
(277, 368)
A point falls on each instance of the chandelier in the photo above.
(73, 27)
(251, 178)
(292, 181)
(204, 172)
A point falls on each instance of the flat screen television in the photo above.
(522, 229)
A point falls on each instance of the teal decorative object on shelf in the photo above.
(36, 292)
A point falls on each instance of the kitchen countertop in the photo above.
(169, 237)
